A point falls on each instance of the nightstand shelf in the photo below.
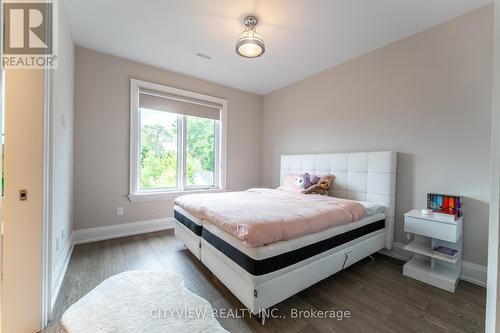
(428, 233)
(441, 276)
(424, 248)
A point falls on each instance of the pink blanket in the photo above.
(263, 216)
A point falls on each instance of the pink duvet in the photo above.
(263, 216)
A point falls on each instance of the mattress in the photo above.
(188, 229)
(372, 208)
(261, 216)
(195, 225)
(190, 222)
(260, 264)
(267, 259)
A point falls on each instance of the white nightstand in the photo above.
(430, 232)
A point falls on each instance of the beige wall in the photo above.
(24, 105)
(62, 144)
(427, 97)
(102, 112)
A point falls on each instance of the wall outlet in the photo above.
(23, 195)
(119, 211)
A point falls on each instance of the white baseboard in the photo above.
(474, 273)
(89, 235)
(397, 252)
(82, 236)
(471, 272)
(60, 270)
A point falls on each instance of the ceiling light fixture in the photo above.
(250, 44)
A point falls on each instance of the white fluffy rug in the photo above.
(141, 301)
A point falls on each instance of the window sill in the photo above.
(168, 196)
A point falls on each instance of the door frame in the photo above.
(492, 287)
(47, 203)
(46, 283)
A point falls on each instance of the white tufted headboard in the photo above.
(368, 176)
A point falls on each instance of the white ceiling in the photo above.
(302, 37)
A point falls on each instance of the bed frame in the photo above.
(368, 176)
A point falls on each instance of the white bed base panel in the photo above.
(281, 247)
(267, 294)
(190, 240)
(362, 176)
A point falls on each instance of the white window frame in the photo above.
(136, 194)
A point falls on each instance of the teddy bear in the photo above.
(322, 187)
(305, 181)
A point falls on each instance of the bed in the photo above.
(262, 275)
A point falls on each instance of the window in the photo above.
(177, 142)
(158, 150)
(201, 135)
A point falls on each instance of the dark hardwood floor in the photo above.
(378, 296)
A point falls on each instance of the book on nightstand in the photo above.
(445, 252)
(445, 207)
